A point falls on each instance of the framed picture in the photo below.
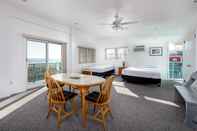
(156, 51)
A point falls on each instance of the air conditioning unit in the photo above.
(139, 48)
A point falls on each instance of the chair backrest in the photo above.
(106, 90)
(47, 75)
(55, 92)
(47, 78)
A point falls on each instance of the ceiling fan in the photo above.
(119, 24)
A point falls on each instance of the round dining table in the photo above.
(83, 83)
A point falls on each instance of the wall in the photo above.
(13, 24)
(141, 59)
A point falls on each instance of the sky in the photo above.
(37, 50)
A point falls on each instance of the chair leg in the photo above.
(59, 112)
(104, 126)
(94, 108)
(74, 105)
(110, 112)
(49, 111)
(103, 120)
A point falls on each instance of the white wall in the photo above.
(140, 59)
(13, 24)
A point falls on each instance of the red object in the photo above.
(176, 58)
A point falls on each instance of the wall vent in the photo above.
(139, 48)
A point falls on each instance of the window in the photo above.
(122, 53)
(87, 55)
(110, 53)
(116, 53)
(36, 58)
(55, 60)
(36, 51)
(40, 55)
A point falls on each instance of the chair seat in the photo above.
(93, 96)
(69, 95)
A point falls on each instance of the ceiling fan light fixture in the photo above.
(24, 0)
(117, 28)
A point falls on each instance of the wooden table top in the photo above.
(84, 80)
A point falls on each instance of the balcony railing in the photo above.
(36, 70)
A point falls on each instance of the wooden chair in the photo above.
(48, 73)
(101, 101)
(57, 100)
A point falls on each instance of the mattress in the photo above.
(145, 72)
(99, 68)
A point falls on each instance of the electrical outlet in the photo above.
(11, 82)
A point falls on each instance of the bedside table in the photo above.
(86, 72)
(120, 70)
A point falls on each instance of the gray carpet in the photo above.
(130, 114)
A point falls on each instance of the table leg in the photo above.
(84, 108)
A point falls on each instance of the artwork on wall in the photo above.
(156, 51)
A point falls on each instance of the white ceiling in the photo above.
(160, 20)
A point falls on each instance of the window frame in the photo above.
(46, 43)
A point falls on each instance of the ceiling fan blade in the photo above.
(129, 22)
(104, 23)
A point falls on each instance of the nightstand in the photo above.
(86, 72)
(120, 70)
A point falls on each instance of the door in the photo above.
(175, 61)
(36, 61)
(54, 60)
(40, 56)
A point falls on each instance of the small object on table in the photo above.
(75, 77)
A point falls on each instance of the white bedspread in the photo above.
(99, 68)
(146, 72)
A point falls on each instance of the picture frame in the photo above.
(156, 51)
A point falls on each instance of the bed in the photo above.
(101, 70)
(143, 75)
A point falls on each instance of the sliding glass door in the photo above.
(40, 56)
(36, 60)
(55, 58)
